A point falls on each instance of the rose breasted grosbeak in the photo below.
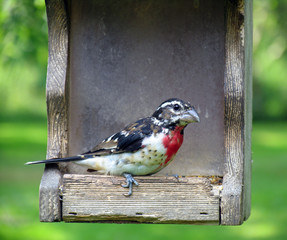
(141, 148)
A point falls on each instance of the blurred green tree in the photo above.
(24, 51)
(23, 32)
(270, 60)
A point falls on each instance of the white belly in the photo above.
(143, 162)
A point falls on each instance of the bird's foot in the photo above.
(176, 176)
(130, 181)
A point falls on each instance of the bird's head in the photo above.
(175, 112)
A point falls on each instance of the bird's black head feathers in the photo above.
(174, 111)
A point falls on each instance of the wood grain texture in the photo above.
(49, 197)
(50, 205)
(156, 200)
(235, 181)
(56, 90)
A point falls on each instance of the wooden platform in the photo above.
(155, 200)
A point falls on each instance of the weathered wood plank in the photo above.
(236, 182)
(231, 203)
(49, 199)
(156, 200)
(56, 87)
(57, 108)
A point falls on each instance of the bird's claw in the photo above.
(130, 181)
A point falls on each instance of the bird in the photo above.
(141, 148)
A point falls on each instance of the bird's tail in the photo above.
(56, 160)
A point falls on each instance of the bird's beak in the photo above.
(190, 116)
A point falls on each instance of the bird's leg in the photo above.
(130, 181)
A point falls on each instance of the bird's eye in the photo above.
(176, 107)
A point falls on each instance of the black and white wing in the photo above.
(127, 140)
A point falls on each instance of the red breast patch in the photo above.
(172, 143)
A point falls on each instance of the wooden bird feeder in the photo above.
(113, 62)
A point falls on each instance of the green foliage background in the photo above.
(270, 58)
(23, 49)
(24, 53)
